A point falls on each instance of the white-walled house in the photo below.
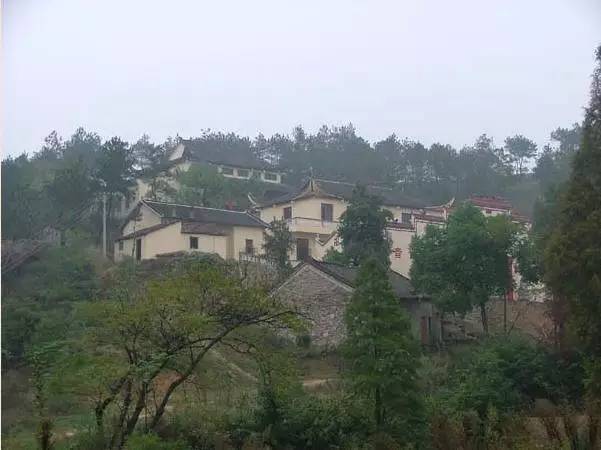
(190, 152)
(313, 213)
(157, 228)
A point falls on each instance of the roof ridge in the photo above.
(195, 206)
(354, 184)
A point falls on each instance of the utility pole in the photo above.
(104, 224)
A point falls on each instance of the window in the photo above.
(243, 173)
(120, 246)
(288, 212)
(302, 249)
(327, 212)
(138, 249)
(248, 247)
(406, 217)
(194, 242)
(227, 171)
(270, 176)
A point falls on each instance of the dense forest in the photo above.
(37, 188)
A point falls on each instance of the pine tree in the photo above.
(278, 242)
(382, 354)
(573, 255)
(363, 228)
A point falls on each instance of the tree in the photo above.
(168, 325)
(152, 160)
(41, 360)
(115, 169)
(203, 185)
(82, 147)
(71, 192)
(278, 242)
(362, 228)
(382, 354)
(520, 150)
(573, 254)
(463, 265)
(481, 168)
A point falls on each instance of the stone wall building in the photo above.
(322, 290)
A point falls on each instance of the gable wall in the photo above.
(238, 240)
(322, 299)
(148, 218)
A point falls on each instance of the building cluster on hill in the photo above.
(312, 213)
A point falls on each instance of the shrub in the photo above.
(152, 442)
(301, 421)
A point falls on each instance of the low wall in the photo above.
(529, 318)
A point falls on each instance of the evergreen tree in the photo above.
(520, 150)
(278, 243)
(382, 354)
(573, 255)
(363, 228)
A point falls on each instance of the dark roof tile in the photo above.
(343, 190)
(148, 230)
(400, 285)
(206, 215)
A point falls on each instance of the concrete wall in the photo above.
(170, 239)
(238, 239)
(400, 257)
(147, 218)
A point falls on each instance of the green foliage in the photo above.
(573, 254)
(463, 265)
(37, 305)
(278, 242)
(337, 257)
(508, 375)
(115, 166)
(362, 228)
(303, 421)
(520, 150)
(41, 359)
(152, 442)
(382, 355)
(203, 185)
(142, 332)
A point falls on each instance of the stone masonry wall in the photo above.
(322, 300)
(529, 318)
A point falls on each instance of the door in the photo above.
(424, 332)
(138, 249)
(302, 249)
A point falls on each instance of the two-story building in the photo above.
(156, 228)
(313, 213)
(190, 152)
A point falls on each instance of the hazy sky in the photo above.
(433, 70)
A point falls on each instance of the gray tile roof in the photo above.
(190, 213)
(400, 285)
(147, 230)
(202, 228)
(198, 150)
(339, 189)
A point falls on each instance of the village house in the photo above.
(313, 213)
(321, 292)
(494, 206)
(156, 228)
(190, 152)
